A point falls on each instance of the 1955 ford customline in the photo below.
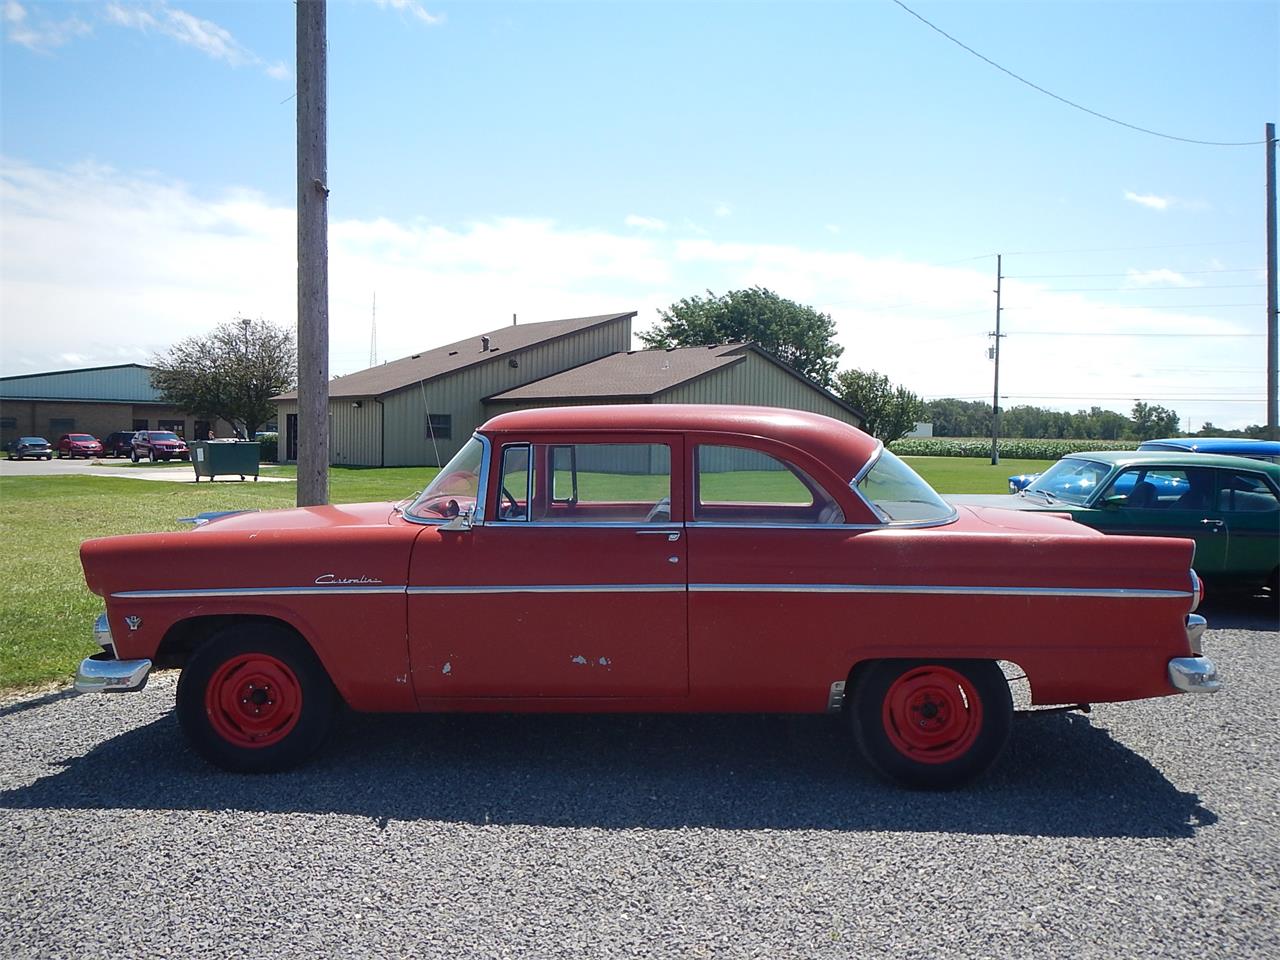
(649, 558)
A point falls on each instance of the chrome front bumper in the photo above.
(103, 673)
(98, 674)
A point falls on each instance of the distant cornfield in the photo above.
(1013, 447)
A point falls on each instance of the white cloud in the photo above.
(112, 268)
(414, 9)
(1149, 200)
(211, 39)
(645, 223)
(723, 209)
(40, 33)
(1160, 278)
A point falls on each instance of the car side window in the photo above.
(602, 483)
(741, 485)
(1162, 488)
(1245, 493)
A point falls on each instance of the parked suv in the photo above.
(78, 445)
(118, 444)
(37, 447)
(156, 445)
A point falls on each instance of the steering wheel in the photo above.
(661, 512)
(510, 505)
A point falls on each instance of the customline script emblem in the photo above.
(332, 579)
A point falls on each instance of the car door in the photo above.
(1160, 501)
(574, 584)
(1251, 512)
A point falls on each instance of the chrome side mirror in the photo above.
(460, 522)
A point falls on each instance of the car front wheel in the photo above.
(255, 699)
(931, 725)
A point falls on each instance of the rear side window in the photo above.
(1245, 493)
(741, 485)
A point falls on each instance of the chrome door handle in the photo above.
(671, 535)
(1212, 523)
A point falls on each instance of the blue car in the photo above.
(1266, 450)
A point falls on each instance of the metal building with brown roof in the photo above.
(421, 409)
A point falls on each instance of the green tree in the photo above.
(891, 412)
(959, 418)
(799, 336)
(1151, 420)
(231, 373)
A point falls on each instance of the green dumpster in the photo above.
(212, 458)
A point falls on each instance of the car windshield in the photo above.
(1070, 480)
(454, 488)
(899, 494)
(33, 440)
(167, 437)
(82, 438)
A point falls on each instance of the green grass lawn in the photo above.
(46, 612)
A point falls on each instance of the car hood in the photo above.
(304, 518)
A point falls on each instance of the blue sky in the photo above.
(560, 159)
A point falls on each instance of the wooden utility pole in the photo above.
(313, 256)
(1273, 355)
(995, 392)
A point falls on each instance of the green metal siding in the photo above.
(758, 382)
(123, 384)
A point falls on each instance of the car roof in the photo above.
(840, 445)
(1172, 458)
(1240, 445)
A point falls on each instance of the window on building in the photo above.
(8, 429)
(203, 429)
(141, 424)
(440, 426)
(737, 485)
(177, 426)
(60, 425)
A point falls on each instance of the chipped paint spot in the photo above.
(403, 678)
(447, 669)
(579, 659)
(603, 661)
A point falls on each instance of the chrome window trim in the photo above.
(499, 520)
(876, 511)
(257, 592)
(1124, 593)
(482, 490)
(555, 588)
(589, 525)
(739, 525)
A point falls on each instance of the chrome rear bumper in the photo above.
(1194, 675)
(98, 674)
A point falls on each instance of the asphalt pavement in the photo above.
(1147, 829)
(119, 468)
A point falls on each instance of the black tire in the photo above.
(133, 455)
(960, 714)
(262, 662)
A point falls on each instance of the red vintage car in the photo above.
(649, 558)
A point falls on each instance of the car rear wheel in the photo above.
(931, 725)
(255, 699)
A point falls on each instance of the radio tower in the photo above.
(373, 333)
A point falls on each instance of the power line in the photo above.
(1173, 306)
(1208, 286)
(1072, 103)
(1086, 333)
(1091, 276)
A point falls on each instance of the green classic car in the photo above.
(1230, 506)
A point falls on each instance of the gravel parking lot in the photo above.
(1147, 829)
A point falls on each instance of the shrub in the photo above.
(1015, 448)
(269, 447)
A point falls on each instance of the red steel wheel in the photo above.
(932, 714)
(930, 724)
(254, 698)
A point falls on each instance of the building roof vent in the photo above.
(484, 344)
